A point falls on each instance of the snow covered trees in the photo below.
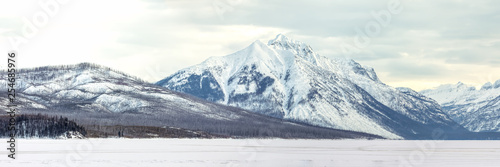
(28, 126)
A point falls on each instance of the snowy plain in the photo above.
(251, 152)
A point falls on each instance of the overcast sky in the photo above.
(423, 45)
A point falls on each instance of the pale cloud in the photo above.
(427, 44)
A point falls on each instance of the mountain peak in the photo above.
(283, 42)
(460, 84)
(490, 85)
(280, 38)
(487, 86)
(302, 50)
(464, 87)
(496, 84)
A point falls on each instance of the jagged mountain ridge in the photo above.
(477, 110)
(287, 79)
(95, 95)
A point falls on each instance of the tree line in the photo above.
(40, 126)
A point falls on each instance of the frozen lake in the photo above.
(258, 153)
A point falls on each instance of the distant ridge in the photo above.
(476, 109)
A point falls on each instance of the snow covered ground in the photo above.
(242, 153)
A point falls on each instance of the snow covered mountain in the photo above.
(286, 79)
(477, 110)
(94, 95)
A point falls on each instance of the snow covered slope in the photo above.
(95, 95)
(287, 79)
(477, 110)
